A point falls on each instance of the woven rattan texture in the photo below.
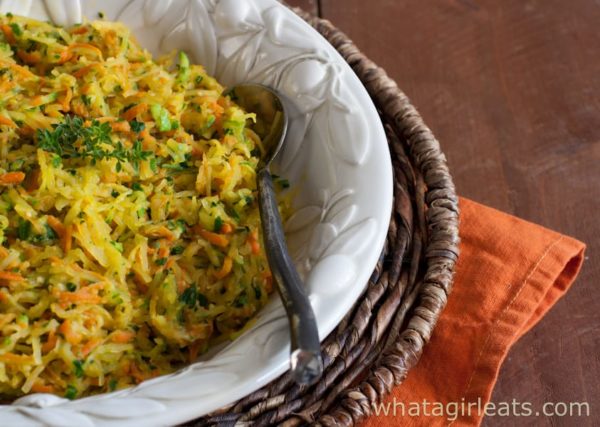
(383, 336)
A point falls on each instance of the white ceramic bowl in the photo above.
(336, 154)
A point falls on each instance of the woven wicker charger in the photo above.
(383, 335)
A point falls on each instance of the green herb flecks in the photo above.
(218, 224)
(136, 126)
(71, 392)
(177, 250)
(71, 139)
(78, 368)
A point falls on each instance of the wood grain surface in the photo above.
(512, 90)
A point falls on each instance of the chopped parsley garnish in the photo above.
(180, 223)
(16, 29)
(78, 365)
(160, 261)
(153, 165)
(71, 287)
(189, 296)
(71, 392)
(112, 384)
(72, 139)
(218, 224)
(202, 300)
(241, 300)
(136, 126)
(45, 238)
(24, 230)
(177, 250)
(136, 186)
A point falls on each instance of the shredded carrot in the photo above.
(66, 102)
(225, 268)
(90, 345)
(169, 263)
(29, 58)
(253, 242)
(269, 283)
(16, 359)
(50, 343)
(136, 373)
(162, 231)
(67, 240)
(65, 233)
(217, 111)
(254, 246)
(11, 277)
(79, 30)
(56, 225)
(55, 260)
(226, 228)
(135, 111)
(65, 56)
(3, 252)
(139, 281)
(37, 100)
(163, 251)
(86, 46)
(197, 152)
(8, 33)
(6, 121)
(12, 178)
(84, 70)
(214, 238)
(148, 141)
(42, 388)
(66, 329)
(83, 296)
(6, 85)
(79, 108)
(122, 337)
(120, 126)
(194, 349)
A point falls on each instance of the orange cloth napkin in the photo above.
(510, 273)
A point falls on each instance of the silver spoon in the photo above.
(271, 125)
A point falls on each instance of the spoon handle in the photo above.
(305, 358)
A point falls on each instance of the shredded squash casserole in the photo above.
(128, 222)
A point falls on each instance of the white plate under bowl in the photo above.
(336, 155)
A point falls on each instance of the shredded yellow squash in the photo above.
(129, 226)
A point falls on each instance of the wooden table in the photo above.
(511, 89)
